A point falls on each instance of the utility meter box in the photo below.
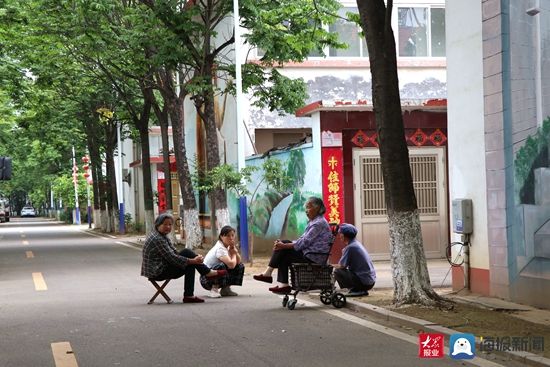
(462, 216)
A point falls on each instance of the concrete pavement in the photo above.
(440, 277)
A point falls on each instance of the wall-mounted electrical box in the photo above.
(463, 222)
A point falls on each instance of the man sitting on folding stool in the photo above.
(161, 261)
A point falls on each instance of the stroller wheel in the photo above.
(338, 300)
(325, 297)
(285, 300)
(291, 304)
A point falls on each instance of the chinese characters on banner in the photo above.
(333, 183)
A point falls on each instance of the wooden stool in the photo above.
(160, 290)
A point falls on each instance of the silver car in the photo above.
(28, 211)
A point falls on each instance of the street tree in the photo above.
(408, 261)
(286, 30)
(37, 41)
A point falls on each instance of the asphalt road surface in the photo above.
(69, 298)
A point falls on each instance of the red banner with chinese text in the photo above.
(333, 183)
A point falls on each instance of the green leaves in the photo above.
(224, 177)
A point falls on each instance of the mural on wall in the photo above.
(532, 196)
(279, 213)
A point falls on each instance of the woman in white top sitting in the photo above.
(224, 255)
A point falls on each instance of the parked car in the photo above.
(7, 210)
(2, 212)
(28, 211)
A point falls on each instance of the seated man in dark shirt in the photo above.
(355, 269)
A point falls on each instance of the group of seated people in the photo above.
(222, 268)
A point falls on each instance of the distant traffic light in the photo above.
(5, 168)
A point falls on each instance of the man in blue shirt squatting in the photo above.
(354, 269)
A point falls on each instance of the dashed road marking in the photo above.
(63, 355)
(29, 254)
(39, 282)
(25, 242)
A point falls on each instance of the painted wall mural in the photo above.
(276, 213)
(532, 197)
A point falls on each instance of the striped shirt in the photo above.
(158, 253)
(316, 238)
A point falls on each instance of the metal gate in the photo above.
(429, 180)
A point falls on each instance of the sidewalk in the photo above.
(441, 281)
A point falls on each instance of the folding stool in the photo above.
(160, 290)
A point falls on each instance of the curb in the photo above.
(412, 322)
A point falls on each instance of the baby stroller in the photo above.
(306, 277)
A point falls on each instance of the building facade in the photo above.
(498, 86)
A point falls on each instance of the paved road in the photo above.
(61, 285)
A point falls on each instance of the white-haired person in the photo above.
(355, 270)
(162, 261)
(224, 255)
(311, 247)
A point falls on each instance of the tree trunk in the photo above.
(205, 108)
(97, 177)
(112, 197)
(408, 262)
(190, 214)
(162, 116)
(143, 127)
(163, 121)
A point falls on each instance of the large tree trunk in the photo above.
(408, 262)
(205, 108)
(95, 163)
(93, 170)
(143, 127)
(162, 116)
(112, 198)
(190, 214)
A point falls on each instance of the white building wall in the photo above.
(467, 173)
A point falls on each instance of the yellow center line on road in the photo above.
(25, 242)
(63, 355)
(39, 282)
(29, 254)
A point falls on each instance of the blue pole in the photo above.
(243, 235)
(121, 227)
(77, 215)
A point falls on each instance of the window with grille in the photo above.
(424, 174)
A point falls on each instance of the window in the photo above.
(421, 32)
(349, 33)
(424, 175)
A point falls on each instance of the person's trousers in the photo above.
(175, 272)
(281, 260)
(233, 277)
(348, 279)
